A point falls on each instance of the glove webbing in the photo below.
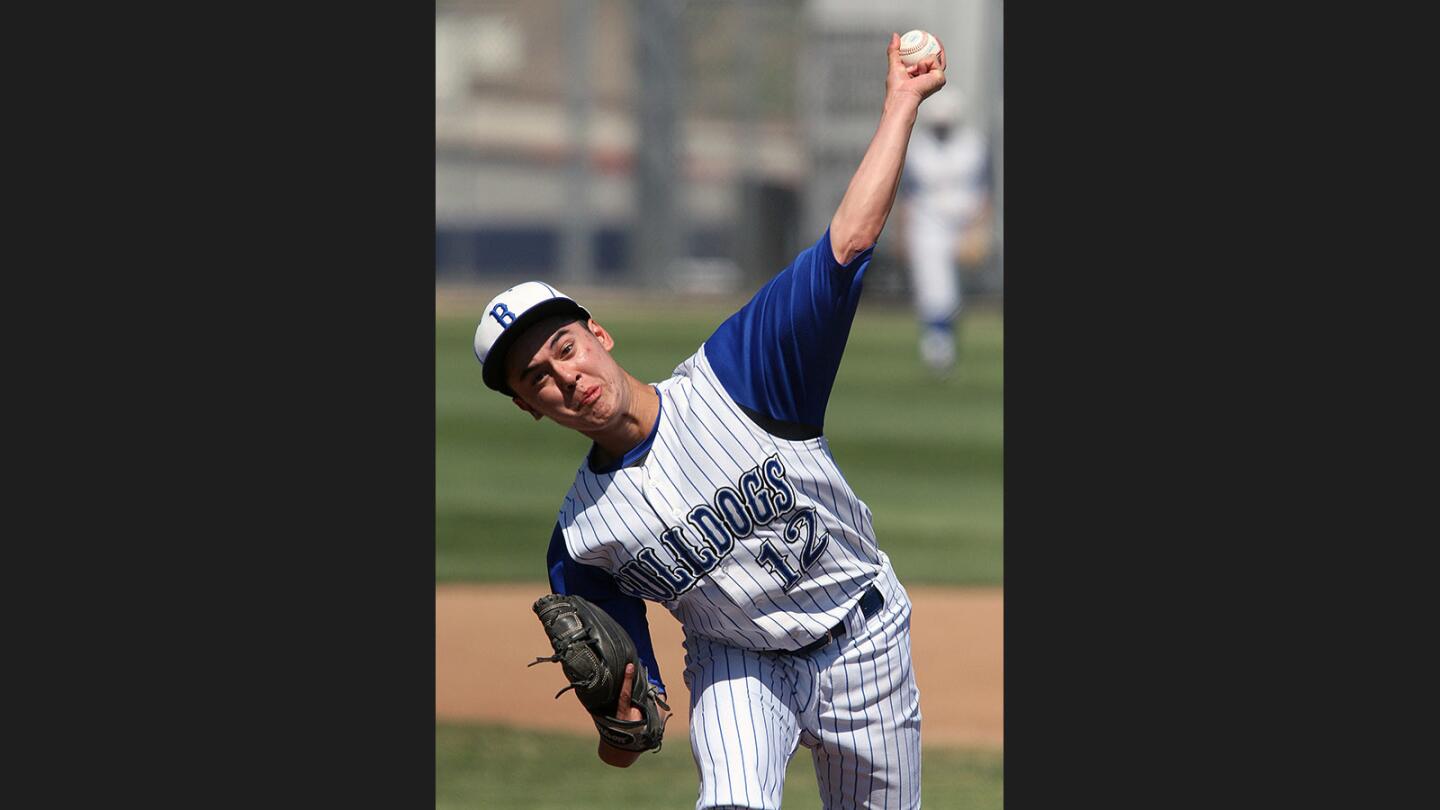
(564, 645)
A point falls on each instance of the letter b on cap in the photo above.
(503, 315)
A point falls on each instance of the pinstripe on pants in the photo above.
(854, 704)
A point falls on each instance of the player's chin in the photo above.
(586, 423)
(590, 417)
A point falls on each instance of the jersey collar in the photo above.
(636, 454)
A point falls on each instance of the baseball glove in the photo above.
(593, 649)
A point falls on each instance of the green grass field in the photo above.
(493, 767)
(925, 455)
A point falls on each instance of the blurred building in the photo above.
(693, 145)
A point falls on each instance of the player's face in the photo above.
(562, 369)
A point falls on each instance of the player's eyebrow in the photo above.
(559, 333)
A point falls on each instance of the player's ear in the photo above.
(601, 335)
(525, 406)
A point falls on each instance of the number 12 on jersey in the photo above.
(803, 526)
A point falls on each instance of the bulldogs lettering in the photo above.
(712, 529)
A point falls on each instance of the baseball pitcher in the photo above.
(714, 494)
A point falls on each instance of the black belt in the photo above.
(870, 604)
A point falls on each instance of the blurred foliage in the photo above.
(742, 58)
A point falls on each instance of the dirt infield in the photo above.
(485, 635)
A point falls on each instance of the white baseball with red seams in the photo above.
(917, 45)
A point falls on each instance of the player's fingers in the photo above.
(943, 64)
(625, 688)
(892, 53)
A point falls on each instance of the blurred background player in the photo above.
(945, 206)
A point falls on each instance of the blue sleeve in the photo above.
(595, 584)
(779, 354)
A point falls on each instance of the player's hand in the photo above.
(917, 81)
(609, 754)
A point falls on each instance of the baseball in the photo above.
(916, 45)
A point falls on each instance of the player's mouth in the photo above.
(588, 397)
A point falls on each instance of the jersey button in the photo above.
(677, 514)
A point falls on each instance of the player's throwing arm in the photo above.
(871, 194)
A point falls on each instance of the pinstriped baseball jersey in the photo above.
(746, 538)
(732, 513)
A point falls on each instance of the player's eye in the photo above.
(565, 352)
